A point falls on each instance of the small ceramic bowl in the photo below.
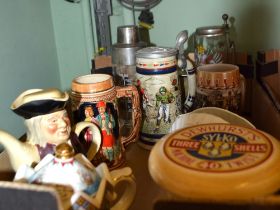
(226, 115)
(191, 119)
(207, 115)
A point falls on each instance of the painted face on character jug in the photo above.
(56, 127)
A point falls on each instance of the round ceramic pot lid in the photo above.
(219, 161)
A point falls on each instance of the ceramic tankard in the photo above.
(157, 81)
(220, 85)
(47, 125)
(78, 183)
(94, 99)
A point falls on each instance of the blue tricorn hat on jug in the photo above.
(35, 102)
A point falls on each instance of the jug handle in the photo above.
(96, 141)
(131, 92)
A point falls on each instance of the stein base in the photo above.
(147, 141)
(145, 146)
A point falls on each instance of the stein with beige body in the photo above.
(220, 85)
(47, 125)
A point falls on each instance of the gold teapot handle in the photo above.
(96, 141)
(126, 177)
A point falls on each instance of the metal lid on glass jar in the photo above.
(210, 31)
(156, 52)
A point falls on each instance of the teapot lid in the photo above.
(64, 151)
(65, 169)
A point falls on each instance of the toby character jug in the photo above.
(94, 99)
(47, 125)
(79, 184)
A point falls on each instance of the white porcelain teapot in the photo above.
(79, 184)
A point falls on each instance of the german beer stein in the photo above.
(212, 44)
(220, 85)
(157, 82)
(94, 98)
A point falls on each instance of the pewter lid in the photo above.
(127, 34)
(209, 31)
(156, 52)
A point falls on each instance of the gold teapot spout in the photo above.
(19, 152)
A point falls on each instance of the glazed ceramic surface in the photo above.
(219, 85)
(95, 99)
(208, 115)
(191, 119)
(47, 125)
(217, 161)
(157, 81)
(78, 183)
(230, 117)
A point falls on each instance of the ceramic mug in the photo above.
(94, 98)
(220, 85)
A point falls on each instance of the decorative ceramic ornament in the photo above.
(94, 98)
(47, 125)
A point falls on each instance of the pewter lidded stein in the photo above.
(212, 44)
(124, 70)
(157, 83)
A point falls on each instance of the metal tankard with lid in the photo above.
(212, 44)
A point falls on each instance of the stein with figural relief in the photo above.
(94, 99)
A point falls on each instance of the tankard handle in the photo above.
(96, 140)
(131, 92)
(181, 39)
(243, 92)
